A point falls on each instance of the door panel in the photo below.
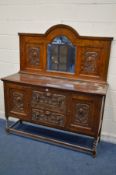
(18, 100)
(85, 113)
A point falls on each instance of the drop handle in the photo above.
(69, 111)
(48, 94)
(46, 90)
(47, 112)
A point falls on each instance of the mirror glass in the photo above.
(61, 55)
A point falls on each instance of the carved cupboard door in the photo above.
(85, 113)
(17, 100)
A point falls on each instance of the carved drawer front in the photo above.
(52, 100)
(18, 100)
(48, 117)
(85, 113)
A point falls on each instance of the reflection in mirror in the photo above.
(61, 55)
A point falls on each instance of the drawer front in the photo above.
(47, 117)
(17, 100)
(49, 99)
(85, 113)
(48, 107)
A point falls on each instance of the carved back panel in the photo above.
(62, 52)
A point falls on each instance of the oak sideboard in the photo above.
(62, 84)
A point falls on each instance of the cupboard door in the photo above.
(17, 100)
(85, 113)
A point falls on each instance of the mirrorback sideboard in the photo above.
(62, 84)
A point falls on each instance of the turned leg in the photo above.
(7, 125)
(99, 139)
(94, 154)
(20, 121)
(94, 150)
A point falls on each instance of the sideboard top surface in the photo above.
(58, 83)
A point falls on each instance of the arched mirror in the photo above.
(61, 55)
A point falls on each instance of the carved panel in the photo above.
(17, 101)
(34, 56)
(46, 116)
(82, 113)
(89, 62)
(49, 100)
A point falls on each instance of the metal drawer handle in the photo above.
(47, 112)
(48, 94)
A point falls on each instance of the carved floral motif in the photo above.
(89, 62)
(46, 116)
(34, 56)
(82, 113)
(48, 99)
(18, 102)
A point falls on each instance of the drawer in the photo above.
(47, 98)
(47, 117)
